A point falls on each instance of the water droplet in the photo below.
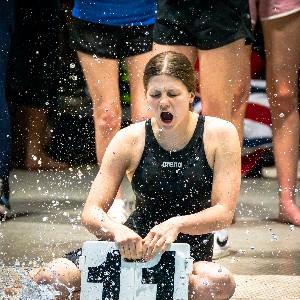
(104, 229)
(274, 237)
(205, 283)
(234, 259)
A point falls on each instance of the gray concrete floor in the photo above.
(265, 255)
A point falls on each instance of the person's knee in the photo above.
(283, 101)
(241, 96)
(213, 284)
(108, 121)
(53, 279)
(45, 276)
(225, 285)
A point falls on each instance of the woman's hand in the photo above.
(129, 243)
(160, 238)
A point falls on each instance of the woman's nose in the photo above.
(164, 103)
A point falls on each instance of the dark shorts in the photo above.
(73, 256)
(203, 24)
(115, 42)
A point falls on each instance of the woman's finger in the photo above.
(127, 252)
(150, 248)
(138, 250)
(165, 246)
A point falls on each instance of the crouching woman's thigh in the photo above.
(210, 280)
(63, 275)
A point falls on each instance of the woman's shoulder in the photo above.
(133, 130)
(217, 126)
(219, 133)
(133, 133)
(127, 143)
(220, 138)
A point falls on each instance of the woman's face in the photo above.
(168, 99)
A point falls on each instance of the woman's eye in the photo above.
(155, 96)
(172, 95)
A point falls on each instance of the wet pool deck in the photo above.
(265, 255)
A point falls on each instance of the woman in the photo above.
(185, 173)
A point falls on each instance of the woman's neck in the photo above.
(178, 137)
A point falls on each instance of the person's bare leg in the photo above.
(241, 93)
(210, 281)
(281, 39)
(219, 72)
(135, 67)
(102, 78)
(63, 275)
(225, 83)
(35, 156)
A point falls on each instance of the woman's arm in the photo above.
(223, 153)
(120, 157)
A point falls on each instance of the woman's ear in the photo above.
(192, 97)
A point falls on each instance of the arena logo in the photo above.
(172, 164)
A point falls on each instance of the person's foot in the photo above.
(289, 213)
(118, 212)
(43, 161)
(221, 244)
(5, 210)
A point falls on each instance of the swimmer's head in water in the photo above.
(173, 64)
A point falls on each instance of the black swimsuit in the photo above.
(168, 184)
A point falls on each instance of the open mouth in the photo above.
(166, 117)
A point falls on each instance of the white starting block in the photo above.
(106, 276)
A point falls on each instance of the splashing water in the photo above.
(33, 291)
